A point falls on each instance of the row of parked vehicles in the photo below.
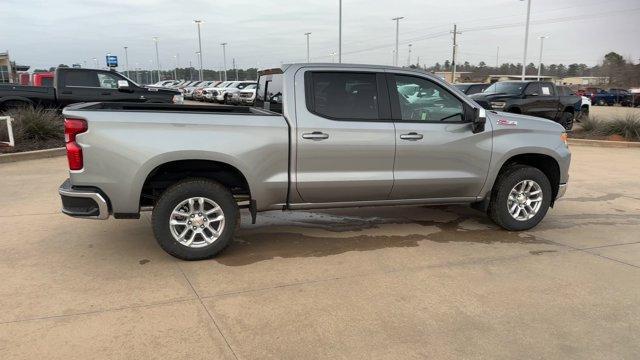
(225, 92)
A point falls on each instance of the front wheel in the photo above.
(520, 198)
(195, 219)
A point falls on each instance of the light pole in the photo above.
(224, 59)
(540, 58)
(175, 71)
(397, 20)
(409, 60)
(526, 39)
(151, 72)
(155, 39)
(191, 67)
(198, 22)
(96, 60)
(307, 35)
(340, 31)
(126, 60)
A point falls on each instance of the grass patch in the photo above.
(34, 129)
(626, 127)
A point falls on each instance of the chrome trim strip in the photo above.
(103, 208)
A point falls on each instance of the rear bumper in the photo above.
(83, 203)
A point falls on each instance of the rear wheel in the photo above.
(195, 219)
(520, 198)
(566, 120)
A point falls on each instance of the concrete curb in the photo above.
(32, 155)
(604, 143)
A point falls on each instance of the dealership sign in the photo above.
(112, 61)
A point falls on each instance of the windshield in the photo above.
(251, 87)
(506, 88)
(224, 84)
(462, 87)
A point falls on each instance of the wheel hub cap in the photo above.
(525, 200)
(196, 222)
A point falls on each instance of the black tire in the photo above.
(507, 180)
(566, 120)
(181, 191)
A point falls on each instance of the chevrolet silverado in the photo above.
(318, 136)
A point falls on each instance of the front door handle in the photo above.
(413, 136)
(316, 135)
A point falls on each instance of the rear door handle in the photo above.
(413, 136)
(316, 135)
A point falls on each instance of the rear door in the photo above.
(345, 136)
(550, 101)
(437, 154)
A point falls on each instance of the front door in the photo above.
(345, 137)
(437, 154)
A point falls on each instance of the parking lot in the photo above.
(410, 282)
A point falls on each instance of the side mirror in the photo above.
(123, 85)
(533, 94)
(479, 120)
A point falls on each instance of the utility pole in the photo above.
(307, 35)
(126, 61)
(397, 20)
(190, 71)
(498, 57)
(155, 39)
(540, 59)
(409, 59)
(198, 22)
(340, 32)
(526, 39)
(224, 59)
(455, 48)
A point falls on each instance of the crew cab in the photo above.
(471, 88)
(535, 98)
(318, 136)
(73, 85)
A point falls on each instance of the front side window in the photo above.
(108, 81)
(344, 95)
(424, 100)
(514, 88)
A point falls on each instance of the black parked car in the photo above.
(471, 88)
(535, 98)
(83, 85)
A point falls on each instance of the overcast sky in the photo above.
(266, 33)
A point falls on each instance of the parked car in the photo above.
(535, 98)
(472, 88)
(83, 85)
(211, 93)
(621, 96)
(245, 96)
(345, 137)
(188, 90)
(198, 93)
(43, 79)
(600, 96)
(224, 96)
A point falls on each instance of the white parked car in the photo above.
(226, 94)
(211, 93)
(585, 106)
(245, 96)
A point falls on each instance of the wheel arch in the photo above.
(543, 162)
(169, 172)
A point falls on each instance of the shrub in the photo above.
(628, 127)
(34, 125)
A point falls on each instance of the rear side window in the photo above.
(269, 92)
(475, 89)
(532, 89)
(81, 78)
(343, 95)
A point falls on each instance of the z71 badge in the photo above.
(506, 122)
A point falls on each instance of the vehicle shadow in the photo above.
(332, 232)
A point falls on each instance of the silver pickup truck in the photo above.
(318, 136)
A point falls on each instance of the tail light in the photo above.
(73, 127)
